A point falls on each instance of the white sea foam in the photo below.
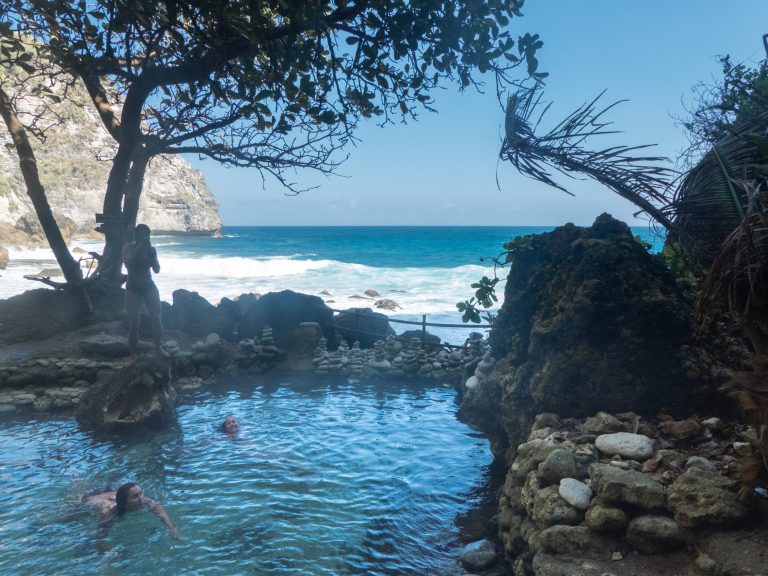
(432, 291)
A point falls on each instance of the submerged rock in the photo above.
(479, 555)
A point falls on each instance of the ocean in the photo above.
(423, 269)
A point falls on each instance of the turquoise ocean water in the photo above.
(424, 270)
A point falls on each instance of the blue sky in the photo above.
(443, 168)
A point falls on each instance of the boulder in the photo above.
(196, 317)
(39, 314)
(429, 341)
(626, 488)
(633, 446)
(699, 497)
(603, 518)
(559, 464)
(3, 258)
(479, 555)
(653, 534)
(141, 394)
(550, 509)
(284, 312)
(363, 325)
(592, 322)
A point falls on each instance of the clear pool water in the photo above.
(324, 479)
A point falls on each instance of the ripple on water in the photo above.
(328, 480)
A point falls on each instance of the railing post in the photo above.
(423, 330)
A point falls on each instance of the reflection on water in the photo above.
(322, 480)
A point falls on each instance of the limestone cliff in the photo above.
(74, 163)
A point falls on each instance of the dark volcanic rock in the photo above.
(39, 314)
(194, 315)
(591, 321)
(363, 325)
(141, 394)
(284, 311)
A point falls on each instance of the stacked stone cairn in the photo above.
(257, 355)
(581, 495)
(391, 359)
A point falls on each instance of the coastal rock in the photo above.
(604, 423)
(626, 487)
(567, 338)
(680, 430)
(479, 555)
(571, 540)
(550, 509)
(654, 534)
(105, 345)
(626, 445)
(575, 492)
(141, 394)
(39, 314)
(363, 325)
(284, 311)
(604, 518)
(3, 258)
(559, 464)
(196, 317)
(699, 498)
(429, 342)
(386, 304)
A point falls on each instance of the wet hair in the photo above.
(229, 418)
(141, 230)
(121, 496)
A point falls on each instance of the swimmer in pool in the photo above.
(230, 426)
(115, 504)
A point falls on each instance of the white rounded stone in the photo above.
(634, 446)
(575, 492)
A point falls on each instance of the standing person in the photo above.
(114, 504)
(140, 258)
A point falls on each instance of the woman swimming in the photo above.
(140, 259)
(115, 504)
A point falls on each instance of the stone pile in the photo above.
(391, 359)
(258, 355)
(581, 495)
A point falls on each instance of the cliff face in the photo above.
(74, 163)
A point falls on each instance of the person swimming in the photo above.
(230, 425)
(113, 505)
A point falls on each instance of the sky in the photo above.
(443, 168)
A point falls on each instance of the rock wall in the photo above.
(74, 163)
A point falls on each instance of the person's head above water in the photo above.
(129, 498)
(230, 425)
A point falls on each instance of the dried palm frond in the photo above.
(740, 269)
(640, 179)
(712, 200)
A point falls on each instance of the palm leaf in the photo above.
(640, 179)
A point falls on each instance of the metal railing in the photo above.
(423, 325)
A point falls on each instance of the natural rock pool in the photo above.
(322, 479)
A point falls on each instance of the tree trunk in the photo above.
(36, 192)
(115, 224)
(134, 187)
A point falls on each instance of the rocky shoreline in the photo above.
(623, 452)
